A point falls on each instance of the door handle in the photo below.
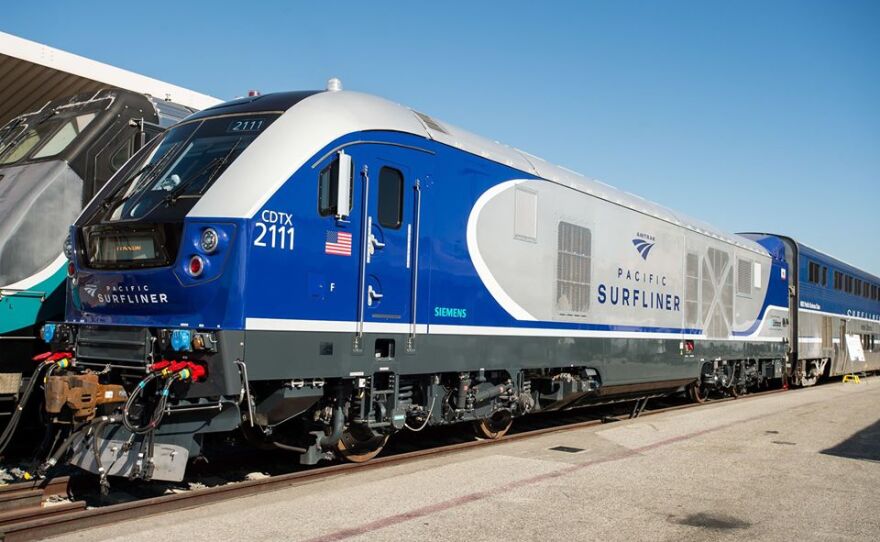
(373, 295)
(372, 245)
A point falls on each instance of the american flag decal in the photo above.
(338, 242)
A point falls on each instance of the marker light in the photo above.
(48, 332)
(196, 266)
(209, 240)
(71, 270)
(181, 339)
(68, 247)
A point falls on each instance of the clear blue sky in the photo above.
(751, 115)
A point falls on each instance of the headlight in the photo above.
(68, 247)
(209, 240)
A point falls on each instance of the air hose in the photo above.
(61, 450)
(138, 390)
(99, 426)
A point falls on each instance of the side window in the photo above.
(824, 276)
(119, 157)
(813, 272)
(573, 269)
(327, 189)
(390, 198)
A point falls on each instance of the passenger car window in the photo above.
(390, 197)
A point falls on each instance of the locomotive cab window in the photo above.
(120, 156)
(65, 135)
(390, 198)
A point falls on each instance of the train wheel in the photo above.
(495, 426)
(359, 445)
(698, 393)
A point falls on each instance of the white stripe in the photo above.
(810, 340)
(281, 324)
(506, 302)
(40, 276)
(548, 332)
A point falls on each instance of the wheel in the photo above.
(698, 393)
(359, 445)
(495, 426)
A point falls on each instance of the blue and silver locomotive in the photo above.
(319, 270)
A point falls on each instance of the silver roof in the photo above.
(314, 122)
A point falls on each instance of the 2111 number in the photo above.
(274, 236)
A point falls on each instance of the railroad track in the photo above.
(28, 513)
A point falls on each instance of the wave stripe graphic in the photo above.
(644, 247)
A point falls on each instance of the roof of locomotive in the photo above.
(315, 119)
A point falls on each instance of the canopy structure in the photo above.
(32, 74)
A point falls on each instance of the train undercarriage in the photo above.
(148, 420)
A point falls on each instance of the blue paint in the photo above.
(242, 280)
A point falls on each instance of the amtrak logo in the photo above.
(643, 244)
(90, 289)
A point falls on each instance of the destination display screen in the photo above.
(121, 247)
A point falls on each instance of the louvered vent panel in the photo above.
(744, 277)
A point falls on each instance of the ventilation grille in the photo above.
(573, 269)
(744, 277)
(431, 123)
(692, 290)
(717, 293)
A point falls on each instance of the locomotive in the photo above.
(52, 162)
(319, 270)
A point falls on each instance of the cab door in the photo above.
(389, 229)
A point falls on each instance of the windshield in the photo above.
(49, 137)
(182, 166)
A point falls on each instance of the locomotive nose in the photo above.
(174, 273)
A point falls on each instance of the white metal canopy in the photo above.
(32, 74)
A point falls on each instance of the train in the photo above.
(314, 271)
(52, 162)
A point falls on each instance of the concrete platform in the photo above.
(801, 465)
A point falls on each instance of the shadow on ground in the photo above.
(864, 444)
